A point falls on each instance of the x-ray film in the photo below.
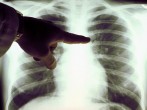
(109, 73)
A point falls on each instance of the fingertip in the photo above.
(82, 39)
(86, 39)
(71, 38)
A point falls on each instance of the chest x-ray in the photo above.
(109, 73)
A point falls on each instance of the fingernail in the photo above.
(53, 65)
(49, 61)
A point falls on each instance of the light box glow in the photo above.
(82, 80)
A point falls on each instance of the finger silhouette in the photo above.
(71, 38)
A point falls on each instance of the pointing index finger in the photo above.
(71, 38)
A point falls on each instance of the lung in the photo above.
(57, 19)
(111, 46)
(37, 80)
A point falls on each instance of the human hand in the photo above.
(40, 38)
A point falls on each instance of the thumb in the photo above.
(49, 60)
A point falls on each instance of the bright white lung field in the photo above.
(109, 73)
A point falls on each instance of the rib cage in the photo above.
(110, 47)
(37, 80)
(57, 19)
(32, 85)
